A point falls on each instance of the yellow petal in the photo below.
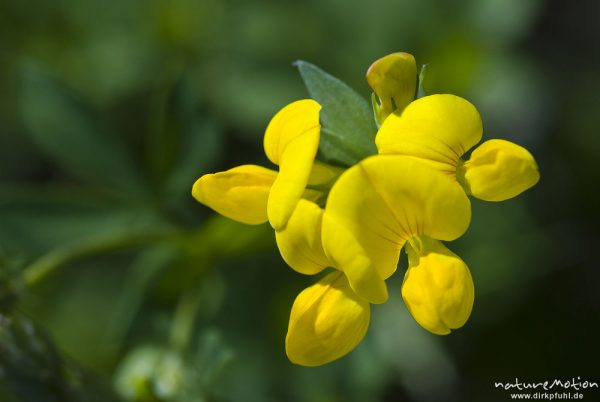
(437, 289)
(394, 79)
(499, 170)
(294, 120)
(327, 321)
(291, 141)
(437, 128)
(385, 200)
(346, 254)
(240, 193)
(300, 241)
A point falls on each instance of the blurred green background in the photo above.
(116, 285)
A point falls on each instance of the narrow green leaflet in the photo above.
(143, 270)
(67, 130)
(348, 129)
(36, 220)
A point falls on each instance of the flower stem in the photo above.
(50, 262)
(184, 319)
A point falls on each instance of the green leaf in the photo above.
(67, 130)
(348, 128)
(41, 219)
(143, 270)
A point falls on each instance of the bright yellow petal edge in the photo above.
(239, 193)
(498, 170)
(327, 321)
(438, 289)
(291, 141)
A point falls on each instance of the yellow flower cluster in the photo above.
(413, 194)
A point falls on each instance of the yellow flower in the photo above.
(373, 210)
(387, 202)
(440, 129)
(413, 195)
(328, 319)
(378, 205)
(253, 194)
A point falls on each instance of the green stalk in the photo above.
(50, 262)
(184, 320)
